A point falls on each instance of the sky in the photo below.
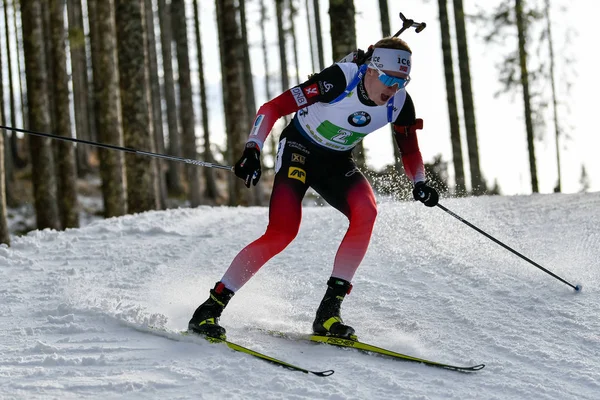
(500, 123)
(76, 305)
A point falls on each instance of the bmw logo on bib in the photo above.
(359, 118)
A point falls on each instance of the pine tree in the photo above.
(478, 185)
(108, 105)
(343, 42)
(523, 55)
(386, 32)
(42, 163)
(186, 106)
(519, 20)
(257, 195)
(155, 100)
(80, 83)
(4, 234)
(551, 73)
(65, 162)
(142, 184)
(234, 95)
(175, 173)
(459, 173)
(9, 154)
(211, 191)
(318, 34)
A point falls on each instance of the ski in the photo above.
(185, 336)
(254, 353)
(354, 344)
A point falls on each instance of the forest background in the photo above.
(504, 90)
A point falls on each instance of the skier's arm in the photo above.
(405, 133)
(322, 87)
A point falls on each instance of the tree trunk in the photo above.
(90, 7)
(8, 172)
(211, 192)
(385, 18)
(343, 42)
(558, 187)
(343, 29)
(263, 21)
(257, 195)
(459, 173)
(42, 164)
(49, 64)
(318, 34)
(142, 187)
(386, 32)
(186, 106)
(478, 185)
(521, 28)
(175, 173)
(108, 107)
(9, 155)
(4, 234)
(234, 95)
(80, 83)
(250, 102)
(309, 25)
(22, 94)
(293, 13)
(12, 147)
(285, 81)
(67, 173)
(155, 100)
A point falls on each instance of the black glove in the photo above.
(248, 167)
(425, 194)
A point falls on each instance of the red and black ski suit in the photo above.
(303, 162)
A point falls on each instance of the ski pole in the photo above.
(125, 149)
(576, 287)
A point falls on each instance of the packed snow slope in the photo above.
(74, 305)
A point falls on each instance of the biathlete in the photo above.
(335, 109)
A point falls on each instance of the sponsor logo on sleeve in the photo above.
(311, 91)
(257, 122)
(299, 96)
(297, 173)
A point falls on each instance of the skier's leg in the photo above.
(351, 194)
(285, 213)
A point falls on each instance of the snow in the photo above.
(75, 305)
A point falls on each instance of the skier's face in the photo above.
(379, 92)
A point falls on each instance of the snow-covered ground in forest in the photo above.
(74, 304)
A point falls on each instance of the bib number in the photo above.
(342, 136)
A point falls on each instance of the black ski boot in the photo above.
(206, 317)
(328, 321)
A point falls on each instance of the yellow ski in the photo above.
(355, 344)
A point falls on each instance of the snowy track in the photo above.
(72, 305)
